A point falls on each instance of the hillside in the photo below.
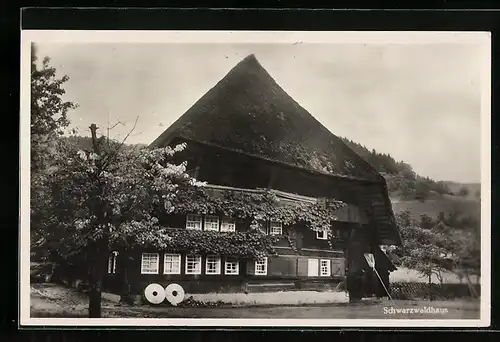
(85, 143)
(404, 183)
(448, 205)
(421, 195)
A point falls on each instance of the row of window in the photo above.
(213, 263)
(172, 264)
(231, 266)
(211, 223)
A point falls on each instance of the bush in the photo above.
(41, 272)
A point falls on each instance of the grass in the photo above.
(432, 207)
(405, 275)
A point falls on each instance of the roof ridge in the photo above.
(248, 111)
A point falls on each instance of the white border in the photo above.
(242, 37)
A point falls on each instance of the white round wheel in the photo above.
(154, 293)
(174, 294)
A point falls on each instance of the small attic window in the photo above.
(276, 228)
(322, 235)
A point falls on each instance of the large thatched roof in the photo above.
(249, 112)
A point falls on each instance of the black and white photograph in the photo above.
(246, 178)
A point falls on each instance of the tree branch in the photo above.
(115, 152)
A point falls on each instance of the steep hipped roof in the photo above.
(249, 112)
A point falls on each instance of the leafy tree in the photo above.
(425, 250)
(103, 198)
(438, 249)
(422, 189)
(464, 191)
(426, 221)
(441, 188)
(48, 109)
(465, 250)
(48, 119)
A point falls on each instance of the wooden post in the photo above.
(100, 248)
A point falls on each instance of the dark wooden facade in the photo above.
(352, 227)
(247, 133)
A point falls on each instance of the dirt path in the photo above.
(61, 302)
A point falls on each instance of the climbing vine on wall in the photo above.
(256, 208)
(254, 244)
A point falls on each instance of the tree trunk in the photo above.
(430, 286)
(96, 277)
(101, 253)
(95, 300)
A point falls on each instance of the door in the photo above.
(313, 267)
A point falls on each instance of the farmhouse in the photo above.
(252, 143)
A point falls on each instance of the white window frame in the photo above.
(112, 262)
(328, 264)
(261, 262)
(322, 237)
(196, 221)
(211, 220)
(228, 225)
(175, 258)
(232, 261)
(217, 263)
(149, 270)
(274, 225)
(198, 261)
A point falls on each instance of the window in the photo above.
(193, 264)
(232, 266)
(276, 228)
(172, 264)
(193, 222)
(112, 263)
(261, 266)
(149, 264)
(212, 223)
(212, 265)
(228, 225)
(325, 268)
(321, 235)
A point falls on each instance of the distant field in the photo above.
(432, 207)
(473, 188)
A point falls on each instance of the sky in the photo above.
(420, 103)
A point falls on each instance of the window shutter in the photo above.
(338, 267)
(282, 266)
(302, 267)
(250, 267)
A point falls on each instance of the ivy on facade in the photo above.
(265, 206)
(251, 244)
(256, 208)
